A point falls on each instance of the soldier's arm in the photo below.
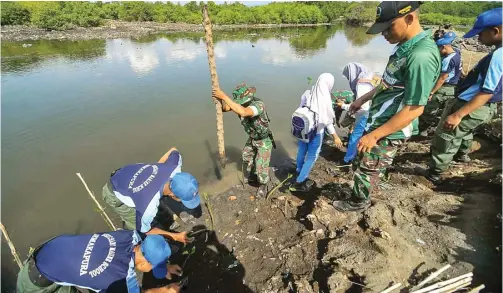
(225, 107)
(235, 107)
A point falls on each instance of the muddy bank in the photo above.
(118, 29)
(300, 243)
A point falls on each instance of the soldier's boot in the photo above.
(351, 205)
(263, 190)
(252, 178)
(463, 158)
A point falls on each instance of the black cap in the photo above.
(387, 11)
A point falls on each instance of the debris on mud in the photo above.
(301, 243)
(116, 29)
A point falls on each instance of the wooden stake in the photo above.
(430, 277)
(477, 289)
(208, 206)
(444, 283)
(11, 246)
(457, 285)
(102, 211)
(396, 286)
(214, 84)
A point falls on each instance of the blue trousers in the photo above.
(307, 154)
(354, 138)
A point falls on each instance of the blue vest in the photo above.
(92, 261)
(482, 75)
(451, 64)
(140, 186)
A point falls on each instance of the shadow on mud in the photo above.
(209, 266)
(479, 218)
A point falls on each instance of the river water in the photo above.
(94, 106)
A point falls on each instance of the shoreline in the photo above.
(114, 29)
(117, 29)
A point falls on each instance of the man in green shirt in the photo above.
(412, 70)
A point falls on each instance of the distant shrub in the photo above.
(13, 13)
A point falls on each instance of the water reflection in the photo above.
(312, 41)
(358, 35)
(19, 58)
(277, 46)
(142, 57)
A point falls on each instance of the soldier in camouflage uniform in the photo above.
(258, 148)
(410, 74)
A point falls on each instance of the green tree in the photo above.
(361, 12)
(13, 13)
(135, 11)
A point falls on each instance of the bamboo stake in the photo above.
(208, 206)
(457, 285)
(477, 289)
(102, 211)
(214, 84)
(443, 283)
(430, 277)
(11, 246)
(396, 286)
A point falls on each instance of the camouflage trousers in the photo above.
(428, 121)
(372, 166)
(257, 156)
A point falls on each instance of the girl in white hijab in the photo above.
(361, 81)
(319, 100)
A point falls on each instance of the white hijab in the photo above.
(320, 100)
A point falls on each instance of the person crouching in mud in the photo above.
(254, 118)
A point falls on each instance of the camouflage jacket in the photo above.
(257, 126)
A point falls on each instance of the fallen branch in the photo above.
(444, 283)
(102, 211)
(11, 246)
(430, 277)
(396, 286)
(477, 289)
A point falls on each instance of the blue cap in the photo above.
(156, 251)
(490, 18)
(185, 187)
(446, 39)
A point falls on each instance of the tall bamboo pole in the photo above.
(214, 84)
(11, 246)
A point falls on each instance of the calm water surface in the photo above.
(94, 106)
